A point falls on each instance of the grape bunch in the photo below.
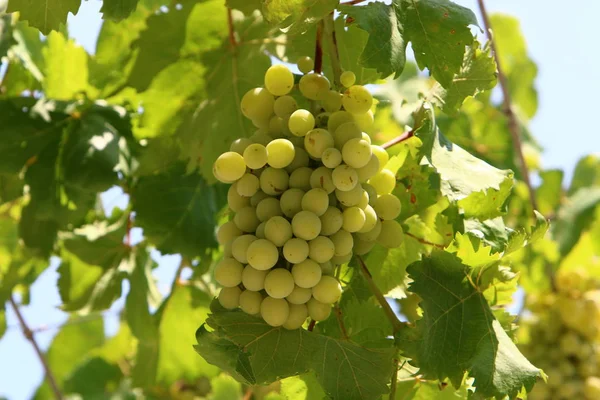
(308, 190)
(565, 338)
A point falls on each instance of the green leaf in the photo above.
(245, 6)
(549, 193)
(575, 216)
(45, 15)
(439, 32)
(409, 388)
(586, 174)
(137, 305)
(117, 10)
(224, 387)
(296, 15)
(6, 35)
(178, 210)
(385, 50)
(2, 321)
(302, 387)
(459, 333)
(257, 353)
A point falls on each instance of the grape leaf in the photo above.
(296, 15)
(302, 387)
(224, 387)
(574, 217)
(2, 321)
(257, 353)
(459, 333)
(45, 15)
(245, 6)
(117, 10)
(6, 35)
(142, 292)
(549, 192)
(385, 50)
(587, 173)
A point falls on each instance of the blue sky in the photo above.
(559, 40)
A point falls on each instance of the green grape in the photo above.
(370, 219)
(246, 219)
(592, 388)
(274, 311)
(371, 235)
(332, 101)
(227, 232)
(354, 219)
(331, 221)
(387, 206)
(381, 154)
(268, 208)
(260, 230)
(297, 316)
(257, 103)
(262, 123)
(327, 268)
(316, 201)
(229, 167)
(321, 120)
(305, 64)
(321, 178)
(316, 141)
(279, 283)
(299, 295)
(368, 171)
(333, 201)
(229, 297)
(253, 279)
(280, 153)
(338, 118)
(364, 121)
(250, 302)
(234, 200)
(276, 126)
(306, 225)
(331, 157)
(321, 249)
(314, 86)
(317, 310)
(228, 272)
(300, 160)
(351, 197)
(262, 254)
(343, 259)
(357, 100)
(343, 242)
(291, 202)
(248, 185)
(300, 178)
(347, 78)
(301, 122)
(239, 145)
(285, 106)
(370, 191)
(391, 234)
(364, 200)
(227, 250)
(239, 247)
(261, 137)
(345, 178)
(361, 247)
(278, 230)
(384, 181)
(366, 138)
(279, 80)
(274, 181)
(344, 133)
(255, 156)
(328, 290)
(307, 273)
(295, 250)
(570, 343)
(356, 153)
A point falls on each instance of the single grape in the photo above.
(347, 78)
(321, 249)
(227, 232)
(278, 230)
(354, 219)
(246, 219)
(371, 192)
(299, 295)
(285, 106)
(345, 178)
(384, 181)
(331, 157)
(357, 100)
(301, 122)
(300, 160)
(321, 178)
(316, 141)
(381, 154)
(262, 254)
(328, 290)
(387, 206)
(253, 279)
(248, 185)
(306, 225)
(366, 138)
(228, 272)
(338, 118)
(257, 103)
(274, 181)
(331, 221)
(229, 297)
(343, 242)
(255, 156)
(364, 200)
(260, 230)
(361, 247)
(314, 86)
(239, 145)
(368, 171)
(274, 311)
(391, 234)
(229, 167)
(371, 235)
(370, 219)
(291, 202)
(262, 123)
(351, 197)
(297, 316)
(261, 137)
(239, 247)
(343, 259)
(279, 283)
(279, 80)
(332, 101)
(327, 268)
(356, 153)
(317, 310)
(305, 64)
(268, 208)
(307, 273)
(345, 132)
(364, 121)
(316, 201)
(234, 200)
(300, 178)
(250, 302)
(280, 153)
(295, 250)
(276, 126)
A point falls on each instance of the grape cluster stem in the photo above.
(399, 139)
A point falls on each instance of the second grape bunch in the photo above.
(308, 191)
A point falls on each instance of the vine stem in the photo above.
(29, 336)
(319, 48)
(420, 240)
(394, 378)
(311, 325)
(351, 3)
(332, 47)
(232, 39)
(513, 124)
(338, 315)
(387, 309)
(398, 139)
(180, 268)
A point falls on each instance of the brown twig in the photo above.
(420, 240)
(311, 325)
(338, 315)
(232, 39)
(513, 124)
(351, 3)
(180, 268)
(332, 47)
(394, 378)
(248, 394)
(398, 139)
(387, 309)
(29, 336)
(319, 48)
